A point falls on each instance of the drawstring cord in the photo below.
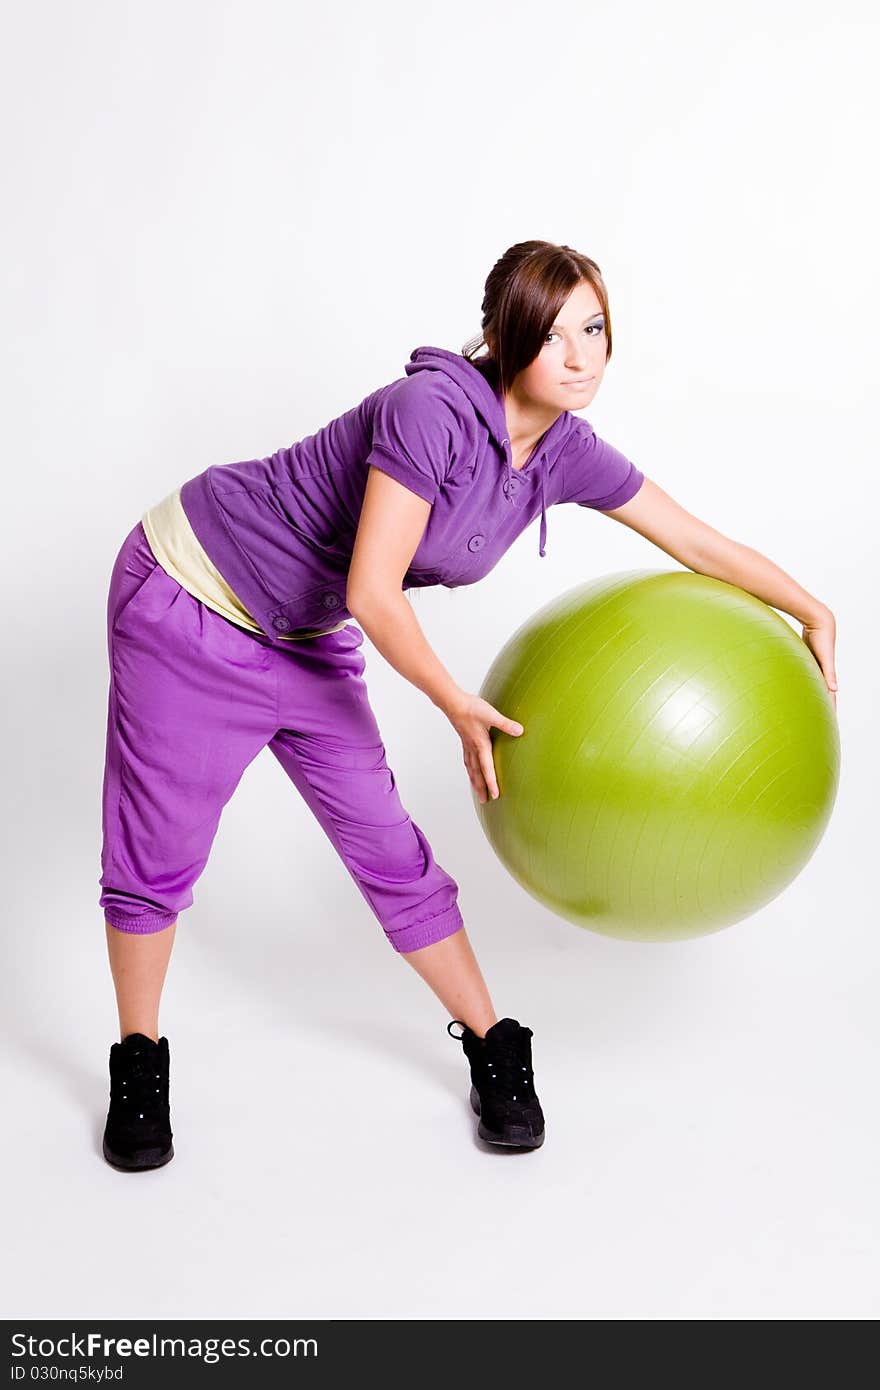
(542, 537)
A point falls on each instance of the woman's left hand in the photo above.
(819, 635)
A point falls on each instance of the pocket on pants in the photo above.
(133, 600)
(134, 568)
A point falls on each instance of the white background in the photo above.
(225, 224)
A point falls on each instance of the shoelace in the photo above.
(504, 1064)
(138, 1084)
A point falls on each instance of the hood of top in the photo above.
(486, 402)
(489, 406)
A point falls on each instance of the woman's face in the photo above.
(568, 370)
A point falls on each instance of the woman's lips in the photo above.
(583, 381)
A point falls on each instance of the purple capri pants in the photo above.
(193, 699)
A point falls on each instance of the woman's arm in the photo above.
(391, 524)
(655, 515)
(395, 631)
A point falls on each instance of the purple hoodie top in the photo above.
(281, 530)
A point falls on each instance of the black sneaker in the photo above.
(138, 1130)
(502, 1085)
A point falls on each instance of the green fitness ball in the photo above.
(680, 758)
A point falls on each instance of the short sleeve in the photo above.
(595, 473)
(413, 434)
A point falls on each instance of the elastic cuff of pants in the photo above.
(426, 933)
(150, 922)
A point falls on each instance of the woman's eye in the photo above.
(591, 329)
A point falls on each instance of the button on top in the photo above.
(476, 542)
(330, 600)
(280, 623)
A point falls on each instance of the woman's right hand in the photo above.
(472, 718)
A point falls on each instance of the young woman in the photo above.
(229, 631)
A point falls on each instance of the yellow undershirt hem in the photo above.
(181, 554)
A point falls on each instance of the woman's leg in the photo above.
(138, 962)
(330, 746)
(450, 968)
(191, 703)
(332, 750)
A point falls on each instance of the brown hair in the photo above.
(524, 291)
